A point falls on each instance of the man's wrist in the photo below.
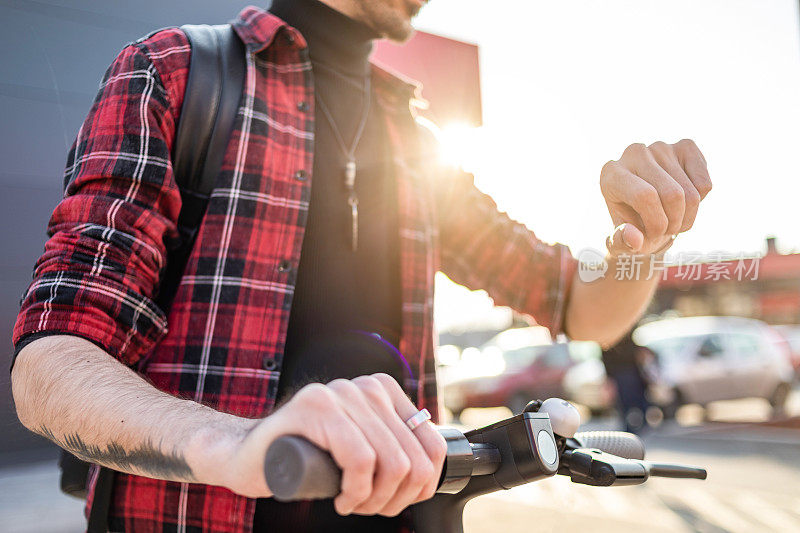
(212, 448)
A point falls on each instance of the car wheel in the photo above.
(779, 397)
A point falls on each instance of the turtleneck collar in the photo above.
(334, 39)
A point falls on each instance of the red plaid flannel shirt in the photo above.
(223, 340)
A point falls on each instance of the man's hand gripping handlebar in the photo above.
(535, 444)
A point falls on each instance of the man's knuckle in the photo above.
(371, 388)
(365, 462)
(385, 380)
(609, 169)
(635, 149)
(339, 383)
(391, 388)
(392, 511)
(645, 195)
(359, 493)
(314, 396)
(673, 195)
(342, 504)
(366, 381)
(659, 224)
(422, 473)
(704, 187)
(439, 451)
(692, 198)
(429, 492)
(398, 468)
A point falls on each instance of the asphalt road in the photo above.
(753, 486)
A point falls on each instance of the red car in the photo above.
(516, 366)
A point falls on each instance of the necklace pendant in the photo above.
(350, 174)
(353, 201)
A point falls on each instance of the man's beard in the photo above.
(386, 21)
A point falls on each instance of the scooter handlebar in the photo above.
(296, 469)
(617, 443)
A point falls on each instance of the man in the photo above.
(290, 283)
(626, 364)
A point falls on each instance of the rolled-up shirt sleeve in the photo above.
(483, 248)
(108, 236)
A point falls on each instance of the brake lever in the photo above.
(589, 466)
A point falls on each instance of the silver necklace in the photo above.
(350, 156)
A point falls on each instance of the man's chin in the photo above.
(401, 37)
(398, 31)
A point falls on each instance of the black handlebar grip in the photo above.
(617, 443)
(295, 469)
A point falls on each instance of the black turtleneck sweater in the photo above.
(341, 296)
(340, 292)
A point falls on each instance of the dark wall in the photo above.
(52, 56)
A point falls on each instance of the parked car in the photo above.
(705, 359)
(514, 367)
(586, 382)
(791, 336)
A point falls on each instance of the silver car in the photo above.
(705, 359)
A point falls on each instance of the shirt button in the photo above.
(289, 36)
(284, 266)
(269, 363)
(301, 175)
(302, 106)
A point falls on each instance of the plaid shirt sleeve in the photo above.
(482, 248)
(108, 236)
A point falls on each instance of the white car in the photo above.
(586, 383)
(705, 359)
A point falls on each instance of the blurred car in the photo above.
(586, 382)
(791, 336)
(706, 359)
(516, 366)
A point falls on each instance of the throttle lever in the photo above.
(590, 466)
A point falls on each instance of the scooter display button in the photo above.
(546, 447)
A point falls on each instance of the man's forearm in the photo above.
(72, 392)
(605, 309)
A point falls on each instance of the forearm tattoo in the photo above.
(146, 458)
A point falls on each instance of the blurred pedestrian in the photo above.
(627, 364)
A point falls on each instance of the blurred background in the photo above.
(533, 98)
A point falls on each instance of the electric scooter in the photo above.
(536, 444)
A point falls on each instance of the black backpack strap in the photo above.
(210, 105)
(103, 487)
